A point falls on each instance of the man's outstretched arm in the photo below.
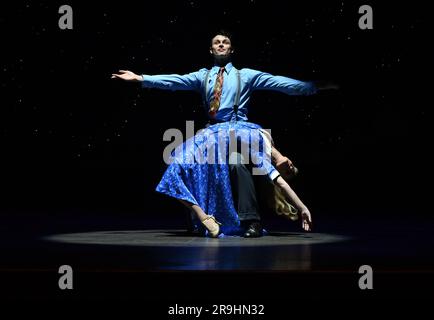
(266, 81)
(190, 81)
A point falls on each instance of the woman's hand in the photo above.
(306, 220)
(127, 76)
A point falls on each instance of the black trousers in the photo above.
(244, 192)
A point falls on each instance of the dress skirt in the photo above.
(198, 170)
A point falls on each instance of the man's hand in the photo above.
(326, 85)
(127, 76)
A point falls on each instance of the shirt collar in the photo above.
(228, 68)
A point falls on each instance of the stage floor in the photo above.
(127, 257)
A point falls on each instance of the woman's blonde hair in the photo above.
(282, 207)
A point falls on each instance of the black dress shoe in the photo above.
(254, 230)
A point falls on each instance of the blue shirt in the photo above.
(251, 80)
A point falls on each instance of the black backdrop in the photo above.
(73, 139)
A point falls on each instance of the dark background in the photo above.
(82, 152)
(75, 140)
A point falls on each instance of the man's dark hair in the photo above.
(222, 32)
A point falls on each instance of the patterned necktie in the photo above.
(215, 103)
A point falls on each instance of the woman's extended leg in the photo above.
(306, 219)
(208, 221)
(285, 166)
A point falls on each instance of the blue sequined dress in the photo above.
(199, 169)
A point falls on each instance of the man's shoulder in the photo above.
(202, 72)
(249, 72)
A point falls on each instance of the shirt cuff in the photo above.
(146, 81)
(311, 88)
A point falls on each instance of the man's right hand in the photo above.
(127, 76)
(326, 85)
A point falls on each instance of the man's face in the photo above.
(221, 46)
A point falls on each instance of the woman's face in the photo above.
(221, 46)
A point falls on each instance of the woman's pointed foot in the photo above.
(286, 168)
(212, 225)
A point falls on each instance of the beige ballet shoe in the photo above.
(212, 225)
